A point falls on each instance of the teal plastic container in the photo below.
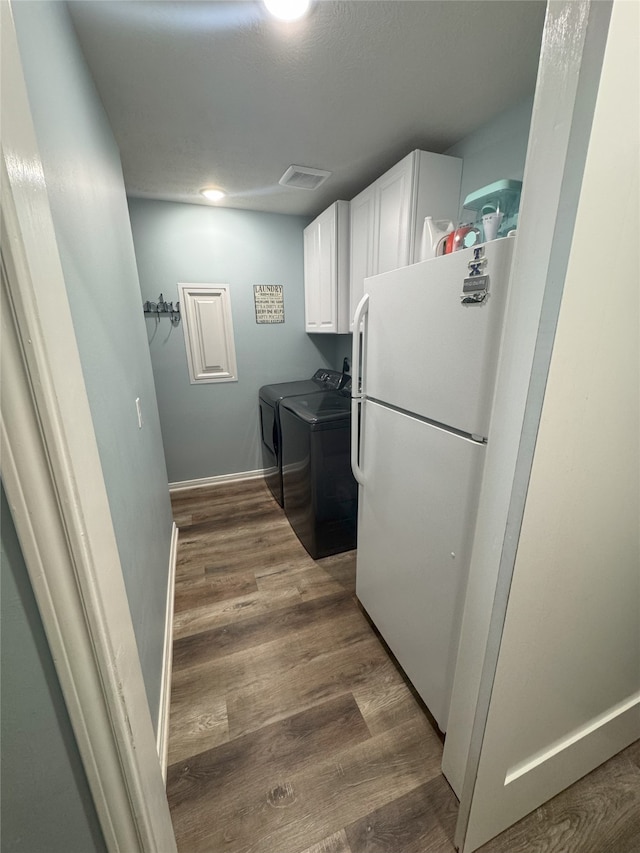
(502, 197)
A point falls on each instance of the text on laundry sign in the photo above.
(269, 303)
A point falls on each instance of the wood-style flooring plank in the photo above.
(226, 519)
(197, 726)
(217, 553)
(217, 502)
(302, 809)
(253, 670)
(219, 494)
(256, 548)
(301, 687)
(310, 581)
(262, 511)
(203, 617)
(195, 592)
(229, 773)
(207, 542)
(256, 668)
(182, 519)
(335, 843)
(342, 568)
(234, 637)
(385, 702)
(633, 752)
(421, 821)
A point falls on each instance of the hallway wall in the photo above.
(46, 804)
(88, 204)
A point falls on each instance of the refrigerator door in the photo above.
(415, 528)
(427, 351)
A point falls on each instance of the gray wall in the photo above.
(212, 429)
(84, 178)
(496, 150)
(45, 800)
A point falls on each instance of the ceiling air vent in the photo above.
(303, 178)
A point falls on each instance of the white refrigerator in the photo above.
(428, 353)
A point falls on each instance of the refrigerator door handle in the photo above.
(355, 440)
(358, 392)
(358, 318)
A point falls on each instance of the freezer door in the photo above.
(429, 352)
(415, 525)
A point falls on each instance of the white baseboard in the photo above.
(162, 740)
(212, 481)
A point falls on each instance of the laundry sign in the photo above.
(269, 303)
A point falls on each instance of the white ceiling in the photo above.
(202, 93)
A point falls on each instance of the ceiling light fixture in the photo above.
(212, 194)
(288, 10)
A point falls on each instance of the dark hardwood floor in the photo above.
(292, 730)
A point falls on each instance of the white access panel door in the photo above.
(415, 525)
(208, 332)
(426, 351)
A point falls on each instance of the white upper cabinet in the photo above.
(362, 247)
(387, 217)
(392, 217)
(326, 271)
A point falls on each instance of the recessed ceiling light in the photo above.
(288, 10)
(212, 194)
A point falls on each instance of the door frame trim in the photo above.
(573, 46)
(53, 480)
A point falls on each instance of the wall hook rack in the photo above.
(161, 308)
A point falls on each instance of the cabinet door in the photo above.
(436, 193)
(393, 216)
(320, 273)
(361, 255)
